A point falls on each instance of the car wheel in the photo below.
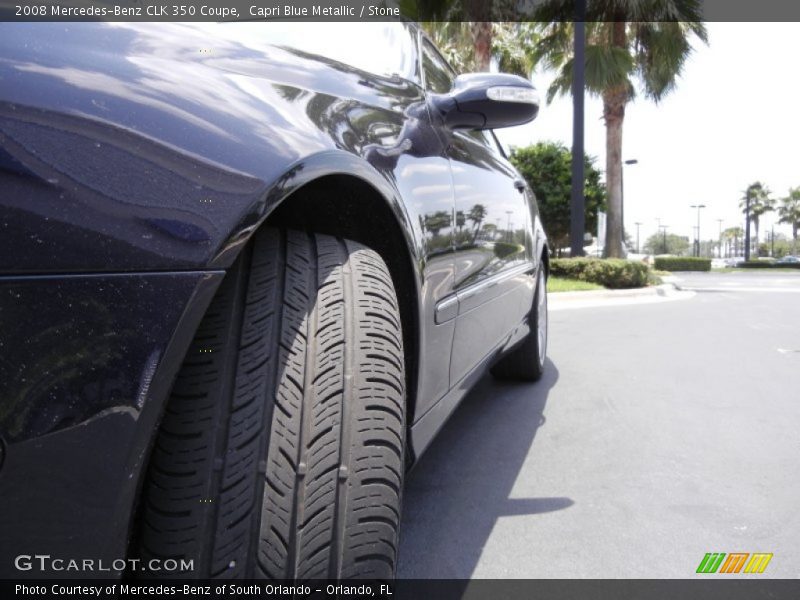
(526, 361)
(281, 452)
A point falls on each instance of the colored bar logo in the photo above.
(735, 561)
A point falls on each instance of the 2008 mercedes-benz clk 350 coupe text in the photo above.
(246, 273)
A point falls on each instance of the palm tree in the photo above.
(476, 215)
(789, 212)
(470, 46)
(481, 32)
(437, 221)
(472, 32)
(732, 235)
(638, 41)
(760, 204)
(460, 220)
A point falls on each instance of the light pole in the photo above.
(631, 161)
(698, 207)
(638, 251)
(658, 228)
(663, 228)
(772, 242)
(508, 226)
(720, 237)
(747, 227)
(577, 209)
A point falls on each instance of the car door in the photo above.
(492, 255)
(492, 259)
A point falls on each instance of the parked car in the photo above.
(789, 260)
(246, 273)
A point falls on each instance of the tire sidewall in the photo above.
(541, 318)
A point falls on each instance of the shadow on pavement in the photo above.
(463, 483)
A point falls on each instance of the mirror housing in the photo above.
(488, 101)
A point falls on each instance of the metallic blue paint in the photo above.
(133, 168)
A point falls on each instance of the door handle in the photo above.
(519, 184)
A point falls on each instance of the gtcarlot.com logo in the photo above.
(48, 563)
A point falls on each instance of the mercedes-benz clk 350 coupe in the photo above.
(246, 273)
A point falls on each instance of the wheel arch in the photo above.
(330, 193)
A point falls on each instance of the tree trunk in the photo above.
(614, 101)
(479, 15)
(755, 224)
(482, 40)
(614, 113)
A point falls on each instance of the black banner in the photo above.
(388, 10)
(442, 589)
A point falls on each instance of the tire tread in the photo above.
(280, 454)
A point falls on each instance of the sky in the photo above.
(733, 118)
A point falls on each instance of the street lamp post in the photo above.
(658, 228)
(772, 242)
(638, 250)
(698, 207)
(577, 208)
(747, 227)
(663, 228)
(720, 237)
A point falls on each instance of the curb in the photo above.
(658, 290)
(673, 279)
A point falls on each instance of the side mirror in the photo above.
(488, 101)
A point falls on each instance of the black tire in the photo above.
(526, 361)
(281, 453)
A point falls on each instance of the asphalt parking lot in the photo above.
(660, 432)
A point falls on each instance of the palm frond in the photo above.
(662, 50)
(553, 45)
(562, 84)
(789, 210)
(608, 68)
(760, 198)
(512, 45)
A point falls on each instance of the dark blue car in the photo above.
(246, 273)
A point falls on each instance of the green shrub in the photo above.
(612, 273)
(763, 264)
(654, 278)
(682, 263)
(558, 284)
(504, 249)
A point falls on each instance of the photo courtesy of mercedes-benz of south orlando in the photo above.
(247, 271)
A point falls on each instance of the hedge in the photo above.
(612, 273)
(504, 249)
(682, 263)
(763, 264)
